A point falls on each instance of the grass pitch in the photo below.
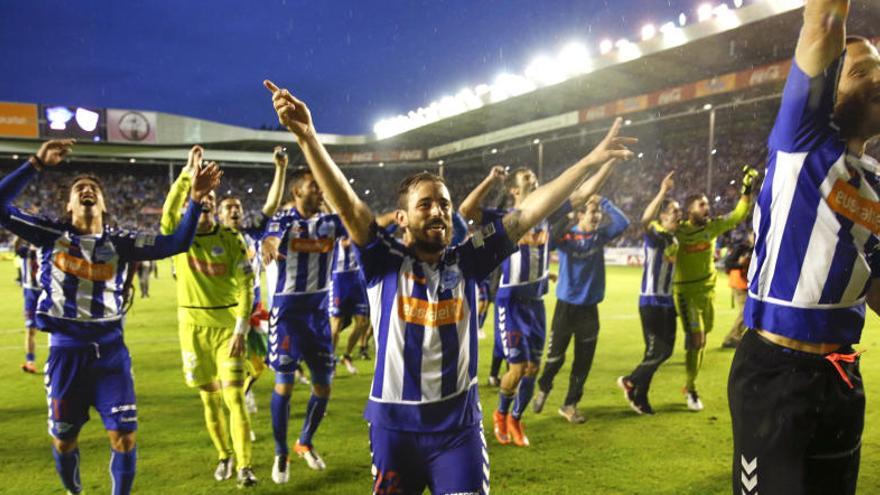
(615, 452)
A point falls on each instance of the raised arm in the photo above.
(295, 115)
(547, 198)
(470, 208)
(276, 190)
(653, 207)
(593, 183)
(176, 199)
(618, 219)
(35, 230)
(823, 36)
(743, 207)
(148, 247)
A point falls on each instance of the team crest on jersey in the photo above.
(104, 253)
(217, 251)
(450, 278)
(324, 229)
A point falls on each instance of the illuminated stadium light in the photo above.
(627, 50)
(15, 157)
(627, 122)
(58, 117)
(494, 151)
(381, 164)
(704, 12)
(439, 162)
(367, 192)
(351, 180)
(536, 141)
(545, 71)
(132, 160)
(250, 190)
(574, 59)
(707, 106)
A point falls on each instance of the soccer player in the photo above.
(144, 270)
(29, 264)
(82, 266)
(214, 299)
(231, 216)
(737, 266)
(581, 244)
(796, 396)
(656, 306)
(300, 240)
(348, 299)
(423, 411)
(695, 275)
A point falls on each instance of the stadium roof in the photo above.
(765, 36)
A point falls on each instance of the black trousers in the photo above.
(658, 329)
(582, 324)
(797, 420)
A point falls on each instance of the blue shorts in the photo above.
(523, 326)
(30, 307)
(348, 295)
(407, 462)
(299, 332)
(79, 377)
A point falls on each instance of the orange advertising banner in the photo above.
(722, 84)
(19, 120)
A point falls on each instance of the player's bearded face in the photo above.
(699, 211)
(85, 194)
(858, 101)
(310, 194)
(428, 218)
(230, 213)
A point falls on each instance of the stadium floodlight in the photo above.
(574, 59)
(15, 157)
(509, 85)
(726, 16)
(707, 106)
(351, 180)
(648, 32)
(737, 3)
(494, 151)
(786, 5)
(440, 162)
(545, 71)
(627, 50)
(606, 46)
(536, 141)
(682, 19)
(468, 99)
(627, 122)
(672, 35)
(381, 164)
(87, 119)
(132, 160)
(367, 192)
(704, 12)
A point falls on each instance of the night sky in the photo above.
(353, 61)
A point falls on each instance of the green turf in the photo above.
(616, 451)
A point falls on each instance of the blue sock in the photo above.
(280, 408)
(523, 395)
(29, 357)
(314, 414)
(122, 468)
(504, 402)
(67, 466)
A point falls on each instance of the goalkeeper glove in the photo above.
(748, 182)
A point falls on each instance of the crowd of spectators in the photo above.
(135, 193)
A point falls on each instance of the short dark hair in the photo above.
(664, 206)
(407, 184)
(228, 197)
(691, 199)
(854, 38)
(298, 175)
(87, 176)
(511, 177)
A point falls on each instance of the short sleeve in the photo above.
(382, 255)
(485, 250)
(805, 114)
(278, 225)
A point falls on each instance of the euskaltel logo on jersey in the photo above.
(208, 268)
(81, 268)
(430, 314)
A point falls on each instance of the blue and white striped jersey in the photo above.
(82, 275)
(425, 320)
(307, 247)
(345, 256)
(817, 216)
(659, 266)
(253, 236)
(28, 265)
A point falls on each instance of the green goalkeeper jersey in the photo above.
(214, 277)
(695, 261)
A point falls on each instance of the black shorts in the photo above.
(797, 420)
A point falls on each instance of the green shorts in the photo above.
(206, 359)
(696, 309)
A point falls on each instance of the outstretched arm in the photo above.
(295, 115)
(823, 36)
(592, 185)
(654, 206)
(470, 208)
(547, 198)
(276, 190)
(176, 199)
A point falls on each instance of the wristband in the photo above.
(242, 326)
(40, 165)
